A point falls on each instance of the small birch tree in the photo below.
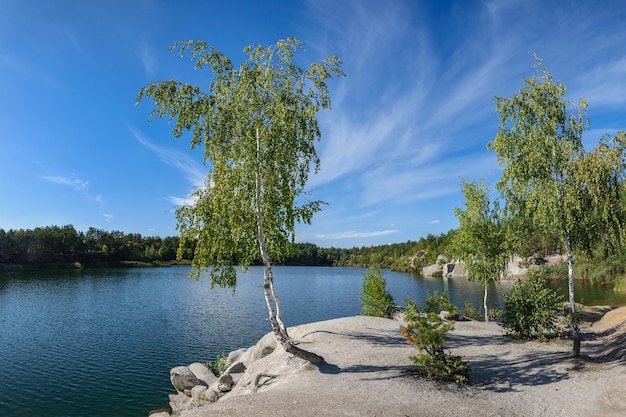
(258, 126)
(480, 242)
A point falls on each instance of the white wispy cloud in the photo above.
(410, 121)
(604, 84)
(74, 183)
(181, 201)
(148, 58)
(354, 234)
(195, 172)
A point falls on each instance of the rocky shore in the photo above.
(369, 374)
(449, 268)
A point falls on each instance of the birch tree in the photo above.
(549, 182)
(481, 242)
(258, 126)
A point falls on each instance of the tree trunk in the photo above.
(572, 302)
(271, 299)
(486, 283)
(279, 329)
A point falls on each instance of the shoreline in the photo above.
(368, 374)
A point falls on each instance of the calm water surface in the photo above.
(102, 342)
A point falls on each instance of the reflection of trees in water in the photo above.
(591, 294)
(459, 289)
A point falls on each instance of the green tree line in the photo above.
(410, 256)
(64, 245)
(52, 245)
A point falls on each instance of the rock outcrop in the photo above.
(452, 269)
(195, 385)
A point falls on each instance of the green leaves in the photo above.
(538, 143)
(258, 126)
(549, 182)
(481, 239)
(429, 334)
(530, 308)
(376, 300)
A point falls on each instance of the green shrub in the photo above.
(469, 311)
(554, 272)
(495, 314)
(219, 365)
(607, 271)
(428, 333)
(567, 316)
(436, 302)
(376, 300)
(530, 308)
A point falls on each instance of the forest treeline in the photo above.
(55, 245)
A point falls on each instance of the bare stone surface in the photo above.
(368, 374)
(183, 379)
(203, 373)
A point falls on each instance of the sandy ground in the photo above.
(368, 374)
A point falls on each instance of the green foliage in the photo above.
(469, 311)
(54, 245)
(495, 314)
(551, 272)
(620, 284)
(258, 126)
(376, 300)
(437, 302)
(603, 271)
(551, 185)
(428, 333)
(530, 308)
(410, 256)
(481, 241)
(219, 365)
(578, 315)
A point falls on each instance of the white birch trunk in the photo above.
(572, 302)
(486, 283)
(271, 299)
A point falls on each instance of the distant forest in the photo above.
(62, 246)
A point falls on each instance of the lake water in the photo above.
(102, 342)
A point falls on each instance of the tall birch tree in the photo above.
(549, 182)
(481, 241)
(258, 126)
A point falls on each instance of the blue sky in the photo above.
(411, 117)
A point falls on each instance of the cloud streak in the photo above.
(355, 235)
(194, 172)
(74, 183)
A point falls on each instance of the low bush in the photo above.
(376, 300)
(554, 272)
(437, 302)
(530, 308)
(428, 333)
(578, 313)
(219, 365)
(470, 311)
